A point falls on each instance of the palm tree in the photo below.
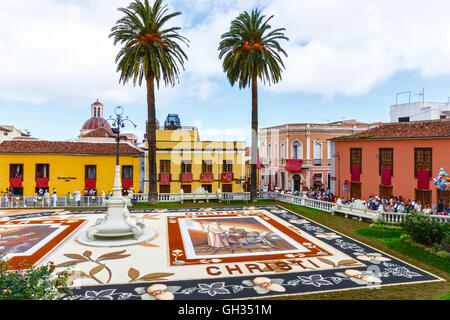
(251, 51)
(150, 51)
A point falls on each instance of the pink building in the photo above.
(398, 159)
(299, 155)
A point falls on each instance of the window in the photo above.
(329, 180)
(42, 170)
(164, 166)
(317, 153)
(127, 172)
(16, 170)
(90, 172)
(275, 182)
(186, 188)
(207, 166)
(227, 166)
(186, 166)
(356, 158)
(386, 160)
(283, 153)
(164, 189)
(403, 119)
(422, 160)
(270, 153)
(228, 187)
(207, 187)
(282, 181)
(297, 152)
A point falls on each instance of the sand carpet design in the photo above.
(225, 253)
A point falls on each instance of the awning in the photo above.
(41, 182)
(15, 182)
(294, 165)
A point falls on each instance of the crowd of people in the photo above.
(394, 204)
(43, 198)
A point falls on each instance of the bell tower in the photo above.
(97, 110)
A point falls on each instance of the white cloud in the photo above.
(59, 50)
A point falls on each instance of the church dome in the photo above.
(95, 123)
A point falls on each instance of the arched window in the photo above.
(297, 150)
(317, 152)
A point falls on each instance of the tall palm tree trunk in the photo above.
(151, 138)
(254, 148)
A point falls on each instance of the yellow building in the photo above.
(186, 163)
(28, 165)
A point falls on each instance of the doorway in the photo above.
(297, 183)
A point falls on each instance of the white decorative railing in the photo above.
(54, 202)
(358, 210)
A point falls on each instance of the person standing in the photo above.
(68, 198)
(47, 198)
(35, 199)
(54, 197)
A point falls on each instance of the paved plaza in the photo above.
(203, 254)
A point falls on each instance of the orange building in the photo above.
(398, 159)
(298, 155)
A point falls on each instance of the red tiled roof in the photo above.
(101, 132)
(404, 130)
(66, 147)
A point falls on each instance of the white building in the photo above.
(419, 111)
(10, 132)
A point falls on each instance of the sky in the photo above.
(347, 59)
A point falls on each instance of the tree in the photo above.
(251, 51)
(152, 52)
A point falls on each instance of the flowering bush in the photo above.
(33, 283)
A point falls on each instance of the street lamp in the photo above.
(117, 123)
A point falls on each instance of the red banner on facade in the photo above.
(186, 177)
(127, 183)
(41, 182)
(423, 179)
(356, 174)
(165, 179)
(294, 165)
(206, 177)
(15, 182)
(90, 183)
(227, 177)
(386, 176)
